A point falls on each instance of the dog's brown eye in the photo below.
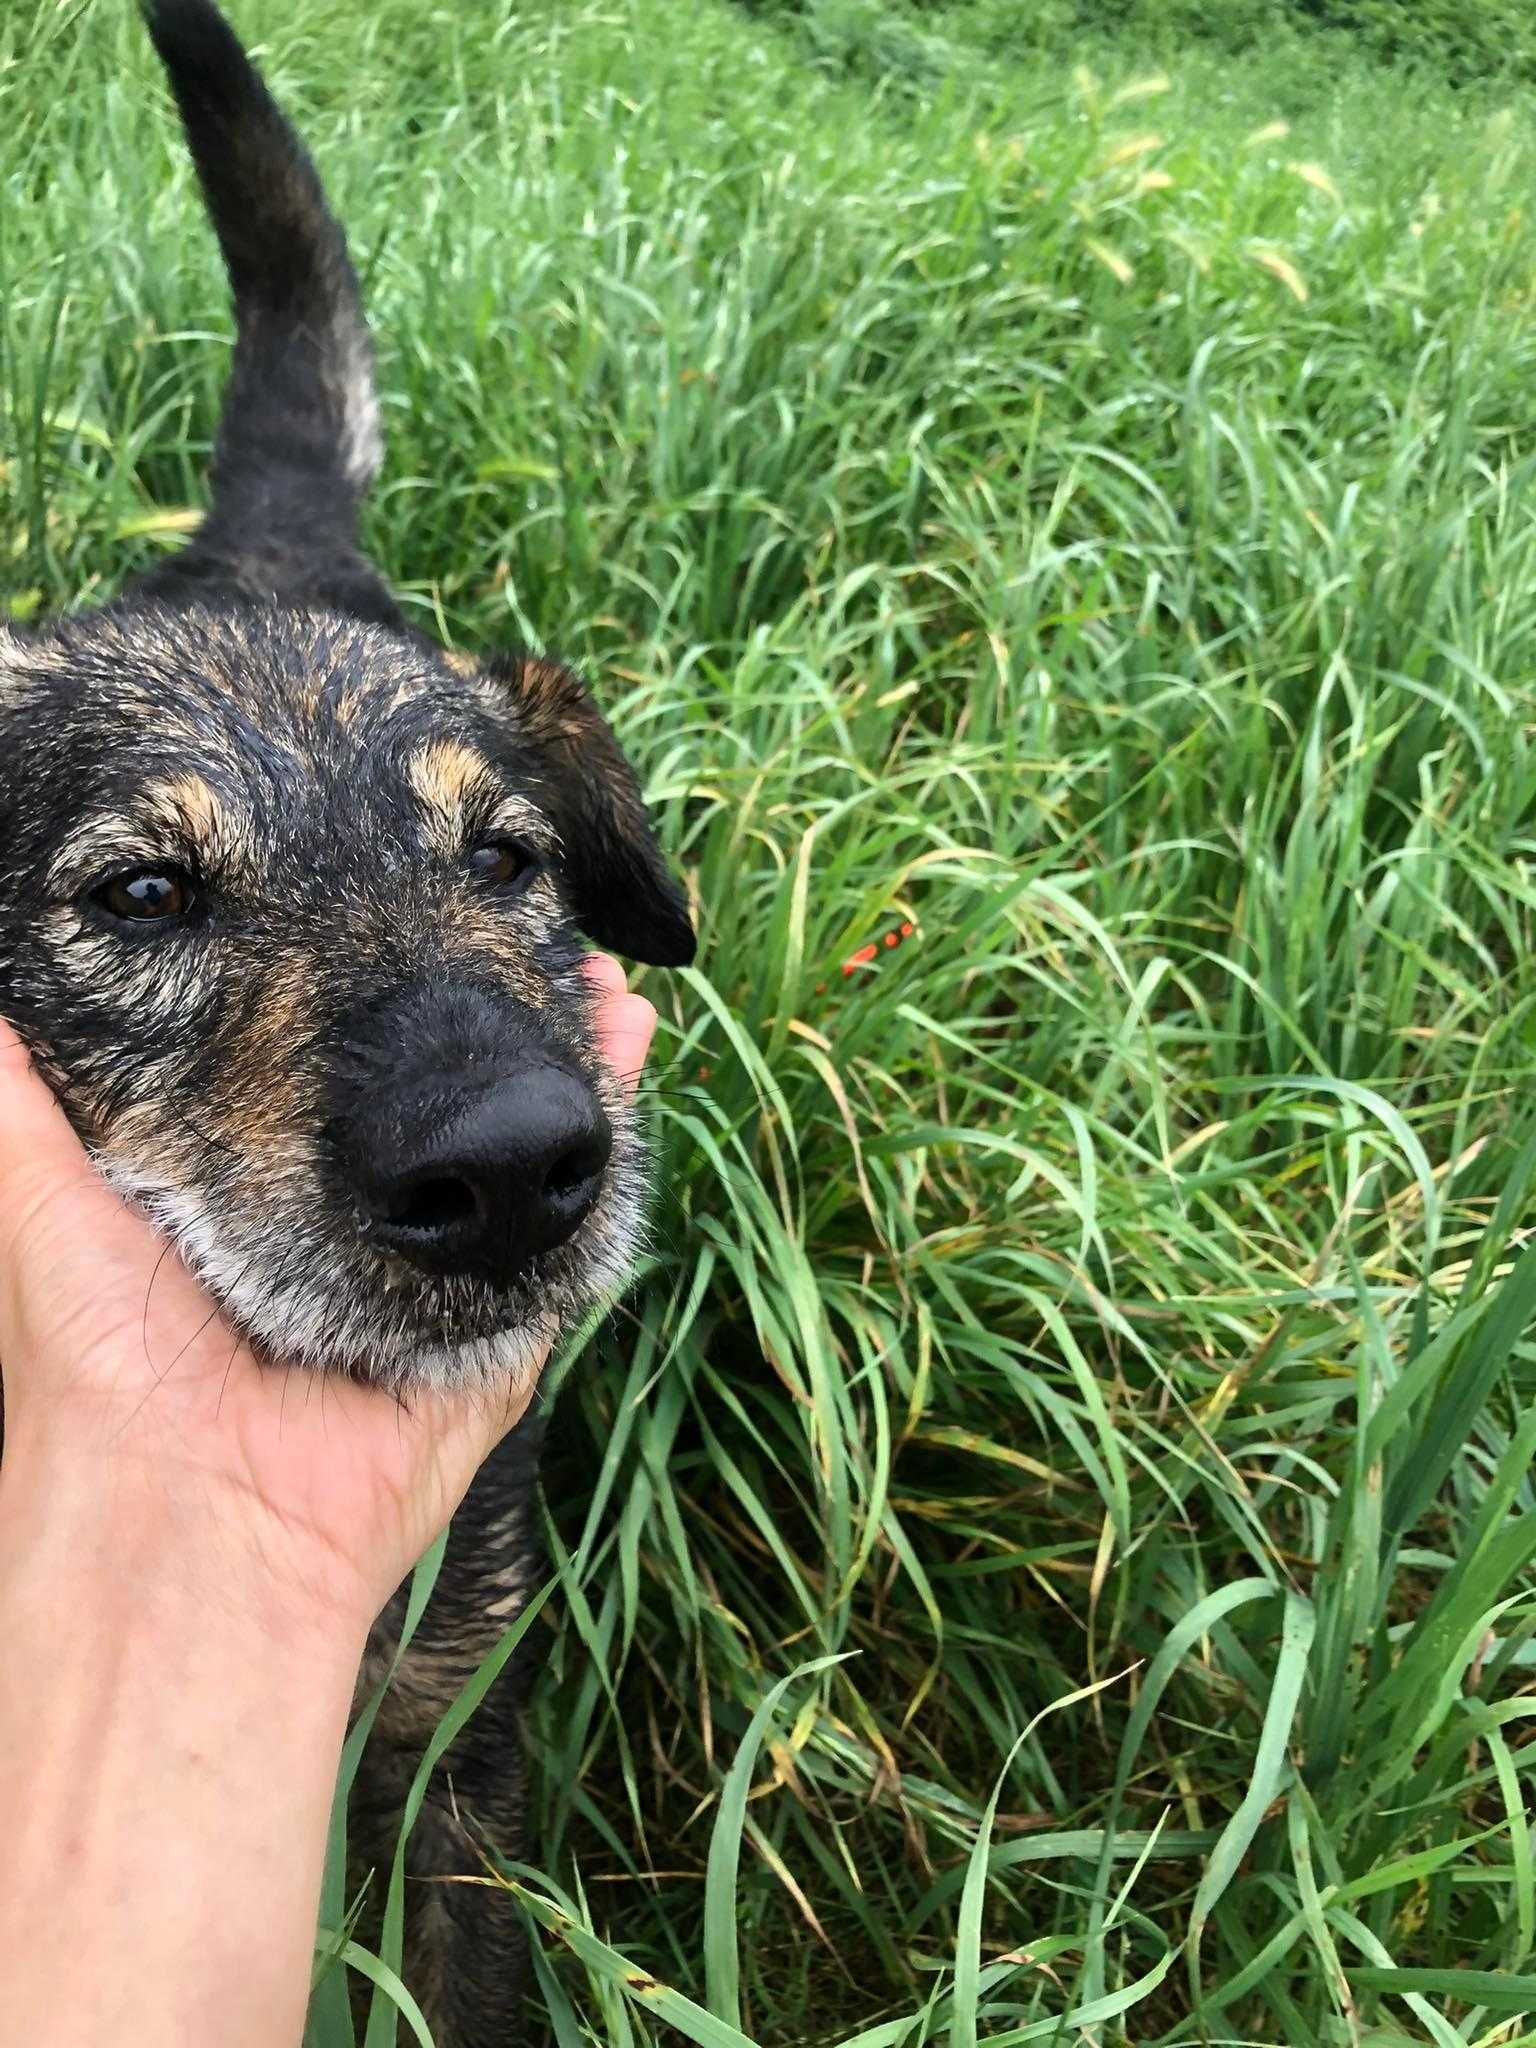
(146, 895)
(499, 863)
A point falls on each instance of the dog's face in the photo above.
(292, 908)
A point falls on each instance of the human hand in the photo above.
(134, 1416)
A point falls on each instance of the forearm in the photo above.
(166, 1769)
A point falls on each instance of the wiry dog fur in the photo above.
(255, 720)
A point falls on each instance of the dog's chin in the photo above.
(502, 1362)
(320, 1309)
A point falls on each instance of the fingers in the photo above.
(605, 974)
(625, 1024)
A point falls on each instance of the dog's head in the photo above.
(291, 902)
(293, 907)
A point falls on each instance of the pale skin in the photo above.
(193, 1546)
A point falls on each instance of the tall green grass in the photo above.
(1045, 1552)
(1468, 44)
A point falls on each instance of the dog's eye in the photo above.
(146, 895)
(500, 862)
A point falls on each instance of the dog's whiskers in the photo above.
(213, 1144)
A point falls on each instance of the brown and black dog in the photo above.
(292, 910)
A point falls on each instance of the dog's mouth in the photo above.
(308, 1285)
(502, 1350)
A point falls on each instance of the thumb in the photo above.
(58, 1218)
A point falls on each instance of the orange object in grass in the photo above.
(866, 954)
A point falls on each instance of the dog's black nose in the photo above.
(480, 1180)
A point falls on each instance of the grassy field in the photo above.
(1047, 1551)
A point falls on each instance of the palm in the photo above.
(339, 1486)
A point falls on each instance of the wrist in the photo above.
(168, 1751)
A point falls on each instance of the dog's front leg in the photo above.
(465, 1949)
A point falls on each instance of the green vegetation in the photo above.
(1087, 520)
(1460, 42)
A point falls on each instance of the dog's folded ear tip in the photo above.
(674, 949)
(662, 938)
(668, 929)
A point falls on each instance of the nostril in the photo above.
(571, 1172)
(433, 1205)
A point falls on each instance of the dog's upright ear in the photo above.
(624, 895)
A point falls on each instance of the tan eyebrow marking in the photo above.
(180, 817)
(462, 796)
(190, 806)
(446, 774)
(188, 801)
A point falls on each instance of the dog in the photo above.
(292, 913)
